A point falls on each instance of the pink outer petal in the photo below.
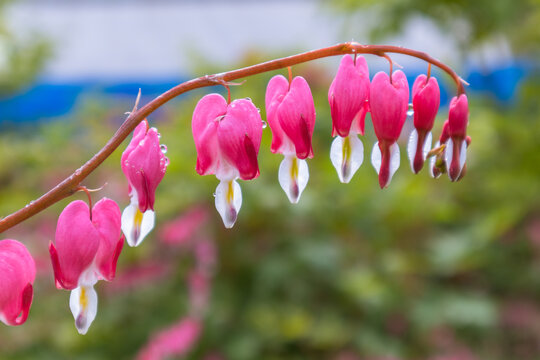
(17, 274)
(458, 116)
(348, 94)
(145, 168)
(276, 90)
(389, 104)
(106, 219)
(426, 100)
(138, 135)
(444, 133)
(209, 110)
(77, 242)
(18, 253)
(296, 115)
(239, 137)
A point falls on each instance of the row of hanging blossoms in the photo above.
(227, 137)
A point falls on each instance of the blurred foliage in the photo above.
(22, 56)
(421, 269)
(469, 22)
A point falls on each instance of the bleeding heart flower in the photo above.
(17, 274)
(456, 147)
(144, 164)
(86, 249)
(291, 115)
(426, 99)
(348, 97)
(227, 138)
(388, 103)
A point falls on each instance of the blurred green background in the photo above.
(425, 269)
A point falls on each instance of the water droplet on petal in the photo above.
(163, 148)
(248, 99)
(214, 194)
(410, 111)
(264, 124)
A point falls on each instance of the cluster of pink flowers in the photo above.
(89, 240)
(228, 136)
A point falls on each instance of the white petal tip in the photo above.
(347, 155)
(376, 157)
(228, 201)
(293, 177)
(83, 304)
(412, 145)
(136, 225)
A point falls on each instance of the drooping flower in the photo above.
(17, 274)
(86, 249)
(291, 115)
(144, 164)
(426, 99)
(227, 138)
(456, 147)
(348, 97)
(439, 164)
(388, 104)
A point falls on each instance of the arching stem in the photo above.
(69, 185)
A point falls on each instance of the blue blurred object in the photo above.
(502, 82)
(44, 100)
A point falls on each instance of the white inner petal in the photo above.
(394, 160)
(136, 225)
(427, 144)
(462, 155)
(376, 157)
(411, 147)
(347, 154)
(228, 201)
(293, 177)
(83, 303)
(449, 154)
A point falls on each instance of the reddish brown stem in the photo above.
(289, 70)
(83, 188)
(69, 186)
(228, 92)
(391, 65)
